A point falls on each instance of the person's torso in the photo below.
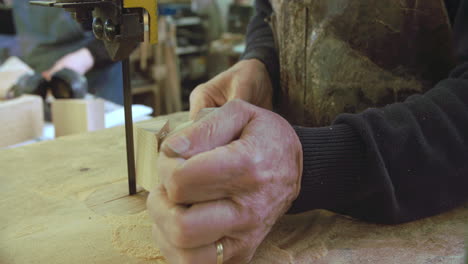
(46, 34)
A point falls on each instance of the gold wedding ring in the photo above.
(219, 252)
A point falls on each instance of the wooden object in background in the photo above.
(21, 119)
(173, 85)
(147, 138)
(10, 72)
(72, 116)
(166, 70)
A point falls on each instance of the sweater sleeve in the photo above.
(261, 43)
(398, 163)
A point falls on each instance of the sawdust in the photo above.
(314, 237)
(324, 237)
(132, 236)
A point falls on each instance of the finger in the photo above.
(166, 166)
(180, 127)
(201, 114)
(217, 174)
(206, 254)
(200, 99)
(204, 112)
(197, 225)
(218, 128)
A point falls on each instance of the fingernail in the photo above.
(179, 144)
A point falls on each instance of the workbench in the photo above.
(65, 201)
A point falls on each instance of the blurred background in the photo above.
(46, 56)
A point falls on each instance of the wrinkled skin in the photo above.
(247, 80)
(230, 175)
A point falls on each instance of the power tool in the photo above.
(120, 24)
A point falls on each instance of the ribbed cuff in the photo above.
(333, 165)
(270, 59)
(265, 55)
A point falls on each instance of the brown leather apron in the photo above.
(341, 56)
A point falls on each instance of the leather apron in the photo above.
(340, 56)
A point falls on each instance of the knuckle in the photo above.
(194, 94)
(248, 161)
(257, 179)
(198, 92)
(175, 189)
(153, 206)
(180, 236)
(248, 167)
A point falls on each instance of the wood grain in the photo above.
(21, 119)
(66, 201)
(148, 138)
(62, 200)
(72, 116)
(10, 72)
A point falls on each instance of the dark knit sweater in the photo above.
(390, 165)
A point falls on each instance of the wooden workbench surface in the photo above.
(65, 201)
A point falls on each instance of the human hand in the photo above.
(228, 177)
(247, 80)
(80, 61)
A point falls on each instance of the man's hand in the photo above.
(80, 61)
(247, 80)
(228, 177)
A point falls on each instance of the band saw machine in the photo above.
(120, 25)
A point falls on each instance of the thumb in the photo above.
(218, 128)
(199, 99)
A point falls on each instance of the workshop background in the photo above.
(197, 40)
(66, 199)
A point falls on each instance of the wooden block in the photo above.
(10, 72)
(147, 140)
(72, 116)
(21, 119)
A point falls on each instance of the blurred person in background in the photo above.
(50, 40)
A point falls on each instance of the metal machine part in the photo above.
(129, 127)
(120, 24)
